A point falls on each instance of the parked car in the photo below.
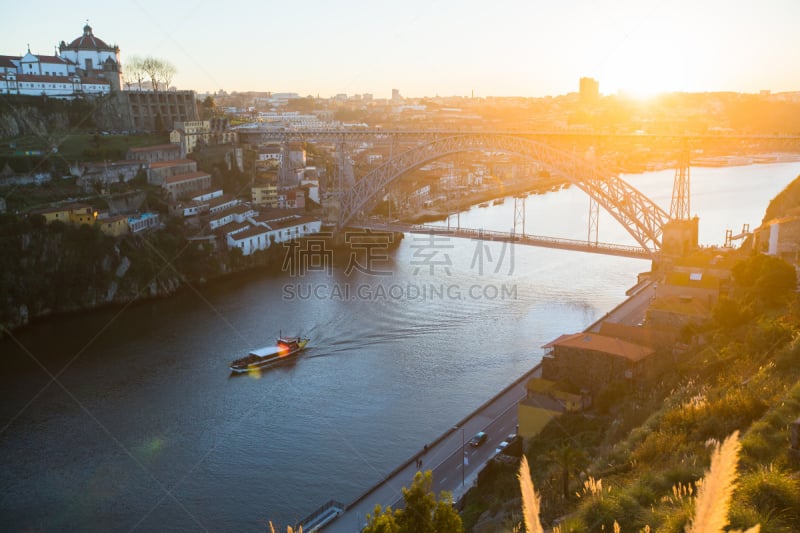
(511, 446)
(479, 438)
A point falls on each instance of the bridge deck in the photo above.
(620, 250)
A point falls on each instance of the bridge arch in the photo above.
(639, 215)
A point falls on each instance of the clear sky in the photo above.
(436, 47)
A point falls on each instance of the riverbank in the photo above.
(441, 211)
(131, 271)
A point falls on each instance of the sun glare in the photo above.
(652, 63)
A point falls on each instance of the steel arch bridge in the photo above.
(643, 219)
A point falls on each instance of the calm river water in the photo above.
(144, 428)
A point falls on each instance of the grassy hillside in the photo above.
(639, 461)
(786, 202)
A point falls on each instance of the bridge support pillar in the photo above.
(594, 221)
(331, 208)
(680, 208)
(519, 214)
(287, 177)
(679, 237)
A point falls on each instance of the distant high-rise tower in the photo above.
(589, 90)
(396, 95)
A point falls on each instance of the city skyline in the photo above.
(440, 48)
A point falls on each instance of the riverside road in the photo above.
(497, 417)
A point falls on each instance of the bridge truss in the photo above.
(640, 216)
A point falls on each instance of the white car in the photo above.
(501, 447)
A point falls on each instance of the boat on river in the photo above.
(499, 201)
(483, 204)
(285, 349)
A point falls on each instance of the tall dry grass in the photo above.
(711, 505)
(530, 500)
(288, 528)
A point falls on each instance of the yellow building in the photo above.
(189, 134)
(69, 214)
(265, 194)
(114, 226)
(53, 214)
(543, 402)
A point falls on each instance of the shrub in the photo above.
(676, 520)
(787, 359)
(756, 448)
(600, 514)
(736, 409)
(773, 494)
(659, 448)
(730, 314)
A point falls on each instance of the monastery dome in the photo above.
(88, 41)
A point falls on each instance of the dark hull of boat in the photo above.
(265, 363)
(254, 362)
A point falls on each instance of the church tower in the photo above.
(94, 58)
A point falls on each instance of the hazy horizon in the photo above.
(440, 48)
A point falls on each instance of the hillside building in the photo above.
(780, 237)
(591, 361)
(87, 66)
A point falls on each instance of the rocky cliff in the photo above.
(40, 116)
(60, 268)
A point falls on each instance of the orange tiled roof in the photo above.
(603, 344)
(53, 60)
(171, 163)
(44, 79)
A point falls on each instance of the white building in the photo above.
(142, 222)
(92, 57)
(86, 66)
(261, 235)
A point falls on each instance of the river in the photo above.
(144, 428)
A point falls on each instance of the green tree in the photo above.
(444, 516)
(422, 512)
(208, 107)
(729, 313)
(417, 516)
(570, 460)
(382, 521)
(766, 279)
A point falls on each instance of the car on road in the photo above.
(501, 447)
(479, 438)
(511, 446)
